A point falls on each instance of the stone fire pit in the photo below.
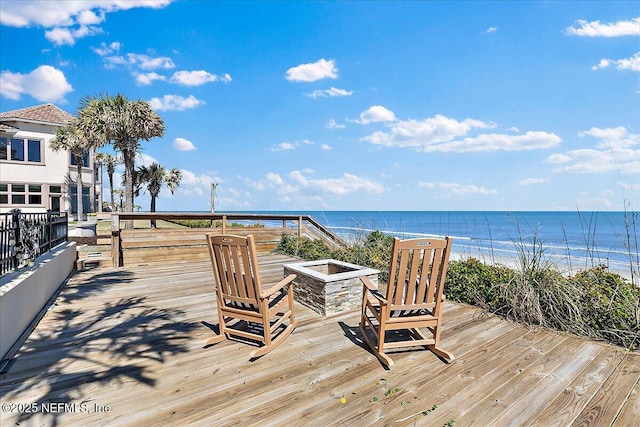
(329, 286)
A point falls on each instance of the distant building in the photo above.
(33, 177)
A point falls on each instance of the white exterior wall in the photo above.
(55, 169)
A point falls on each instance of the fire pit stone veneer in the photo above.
(329, 286)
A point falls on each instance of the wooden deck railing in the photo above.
(183, 244)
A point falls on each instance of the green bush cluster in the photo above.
(206, 223)
(595, 303)
(373, 250)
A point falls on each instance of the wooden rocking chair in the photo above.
(242, 303)
(413, 299)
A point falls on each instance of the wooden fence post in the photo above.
(115, 240)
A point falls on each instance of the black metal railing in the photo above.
(25, 236)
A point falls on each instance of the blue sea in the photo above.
(573, 239)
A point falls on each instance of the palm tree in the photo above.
(123, 123)
(110, 161)
(154, 176)
(72, 138)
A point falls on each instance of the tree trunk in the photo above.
(153, 209)
(129, 165)
(79, 189)
(113, 204)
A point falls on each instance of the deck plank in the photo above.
(133, 339)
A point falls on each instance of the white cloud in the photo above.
(617, 151)
(197, 78)
(331, 92)
(143, 159)
(66, 36)
(326, 147)
(632, 63)
(147, 62)
(492, 29)
(333, 125)
(375, 113)
(618, 137)
(458, 189)
(313, 71)
(284, 146)
(50, 14)
(299, 187)
(89, 17)
(107, 49)
(139, 60)
(175, 103)
(45, 83)
(629, 187)
(598, 29)
(145, 79)
(531, 181)
(191, 179)
(532, 140)
(274, 178)
(61, 16)
(347, 183)
(444, 134)
(182, 144)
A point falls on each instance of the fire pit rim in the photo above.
(356, 270)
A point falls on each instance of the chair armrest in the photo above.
(275, 288)
(373, 290)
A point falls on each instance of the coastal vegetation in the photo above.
(153, 177)
(110, 162)
(123, 124)
(205, 223)
(72, 138)
(594, 302)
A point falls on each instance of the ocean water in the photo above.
(573, 239)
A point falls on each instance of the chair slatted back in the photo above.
(235, 267)
(417, 272)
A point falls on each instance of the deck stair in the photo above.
(92, 256)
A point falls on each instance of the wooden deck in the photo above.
(125, 347)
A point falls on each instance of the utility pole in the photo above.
(213, 197)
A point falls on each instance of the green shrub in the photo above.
(206, 223)
(471, 282)
(595, 303)
(610, 305)
(303, 248)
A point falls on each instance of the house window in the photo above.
(35, 194)
(21, 194)
(86, 202)
(17, 149)
(4, 144)
(56, 189)
(85, 160)
(4, 194)
(17, 194)
(20, 150)
(34, 154)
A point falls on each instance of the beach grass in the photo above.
(532, 290)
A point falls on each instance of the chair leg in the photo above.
(386, 360)
(435, 348)
(222, 335)
(261, 351)
(215, 340)
(447, 356)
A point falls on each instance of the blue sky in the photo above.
(355, 105)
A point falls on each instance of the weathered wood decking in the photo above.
(125, 347)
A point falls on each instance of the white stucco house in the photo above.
(33, 177)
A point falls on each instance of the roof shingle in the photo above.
(44, 113)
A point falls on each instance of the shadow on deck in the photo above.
(126, 346)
